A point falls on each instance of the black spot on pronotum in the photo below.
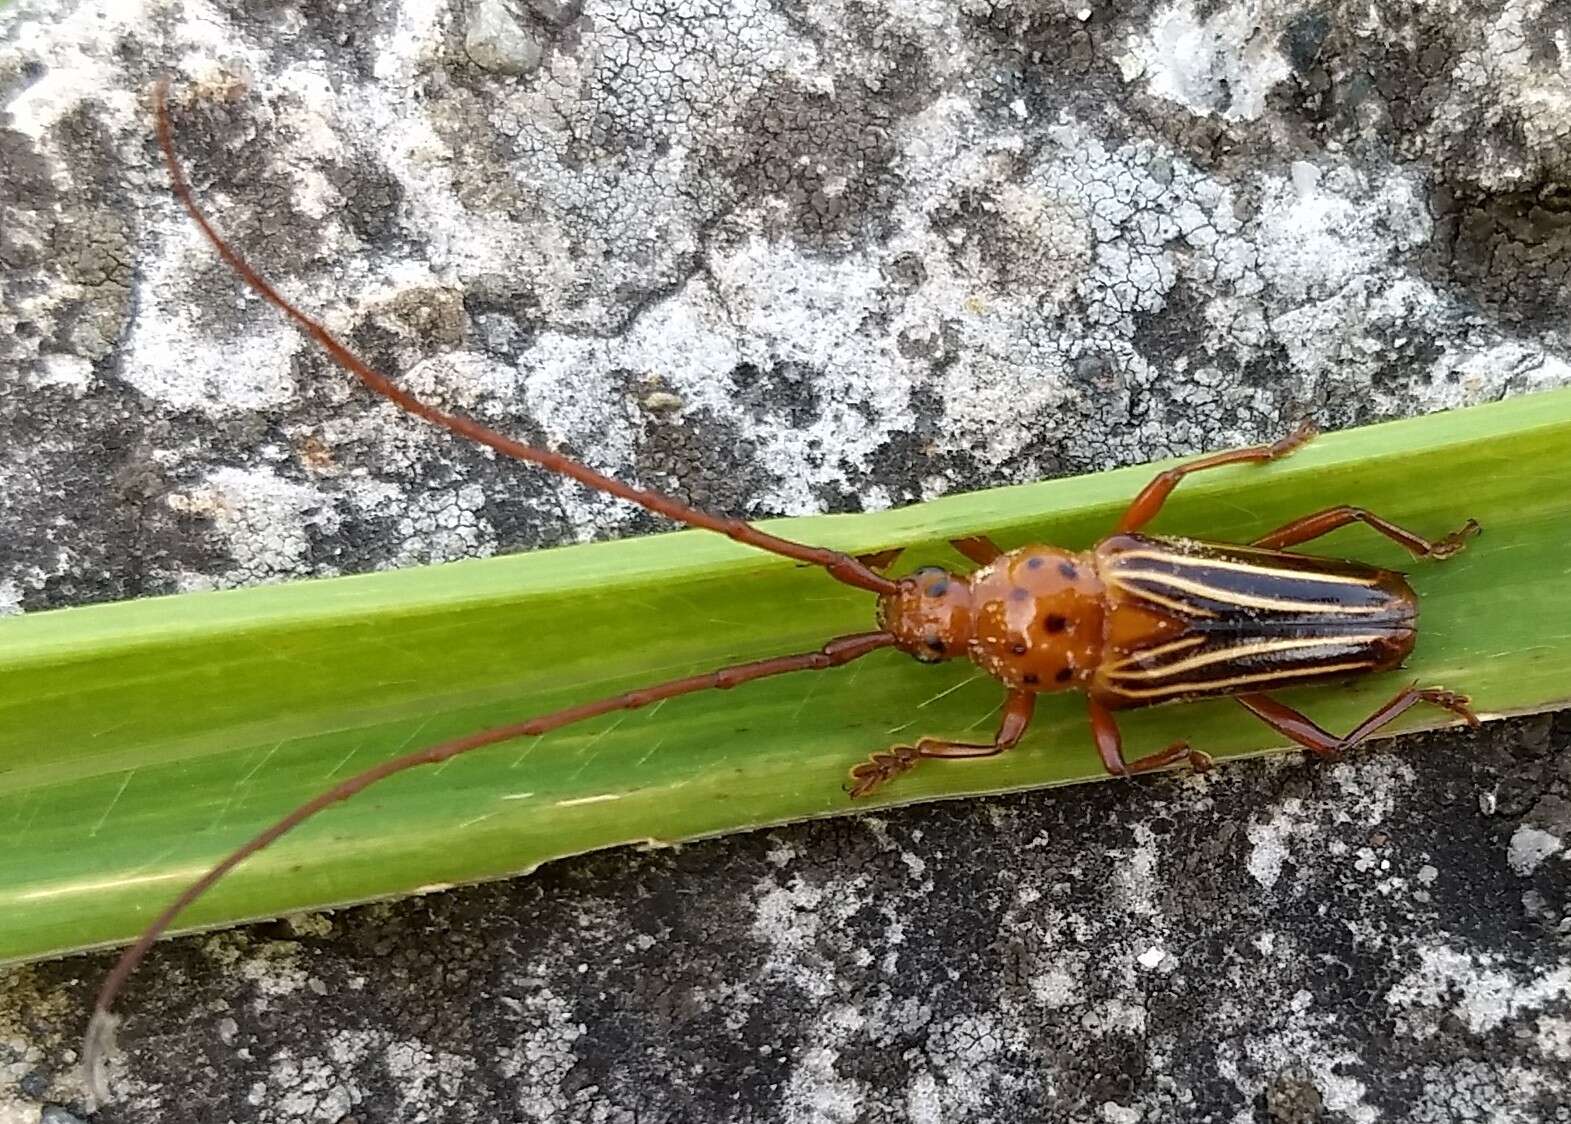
(1033, 563)
(1018, 649)
(1064, 675)
(1030, 679)
(1019, 593)
(1068, 570)
(1055, 623)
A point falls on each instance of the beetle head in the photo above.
(929, 614)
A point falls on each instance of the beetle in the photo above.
(1135, 621)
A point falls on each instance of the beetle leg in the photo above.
(1324, 522)
(1291, 724)
(1110, 746)
(890, 763)
(1154, 494)
(978, 548)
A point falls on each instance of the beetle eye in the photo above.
(934, 644)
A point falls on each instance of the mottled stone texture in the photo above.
(783, 257)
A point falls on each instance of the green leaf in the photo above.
(140, 742)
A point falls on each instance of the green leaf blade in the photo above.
(141, 742)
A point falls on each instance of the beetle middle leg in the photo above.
(1154, 495)
(1324, 522)
(1110, 746)
(1291, 724)
(890, 763)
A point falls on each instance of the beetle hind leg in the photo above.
(1179, 752)
(1324, 522)
(1296, 727)
(1110, 747)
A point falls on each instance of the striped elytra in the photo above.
(1190, 619)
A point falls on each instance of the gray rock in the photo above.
(496, 41)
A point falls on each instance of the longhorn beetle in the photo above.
(1135, 621)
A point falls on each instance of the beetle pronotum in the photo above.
(1135, 621)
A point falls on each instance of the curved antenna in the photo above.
(840, 566)
(100, 1030)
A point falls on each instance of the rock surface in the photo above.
(778, 258)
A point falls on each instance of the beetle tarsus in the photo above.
(1305, 432)
(882, 767)
(1454, 701)
(1455, 541)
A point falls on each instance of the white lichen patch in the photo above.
(1299, 1038)
(444, 525)
(274, 968)
(790, 920)
(1135, 877)
(264, 520)
(1224, 64)
(172, 360)
(1553, 1037)
(426, 1078)
(79, 41)
(1115, 1016)
(1056, 987)
(306, 1089)
(968, 1065)
(1271, 841)
(817, 1093)
(1475, 987)
(1500, 77)
(1320, 229)
(1297, 830)
(1529, 847)
(542, 1056)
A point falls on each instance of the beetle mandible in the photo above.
(1135, 621)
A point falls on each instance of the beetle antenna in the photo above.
(841, 566)
(100, 1030)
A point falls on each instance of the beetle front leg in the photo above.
(890, 763)
(1110, 746)
(1154, 494)
(1324, 522)
(1295, 726)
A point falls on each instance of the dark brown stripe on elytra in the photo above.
(1213, 581)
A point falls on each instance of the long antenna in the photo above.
(840, 566)
(100, 1029)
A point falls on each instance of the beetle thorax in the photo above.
(1037, 619)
